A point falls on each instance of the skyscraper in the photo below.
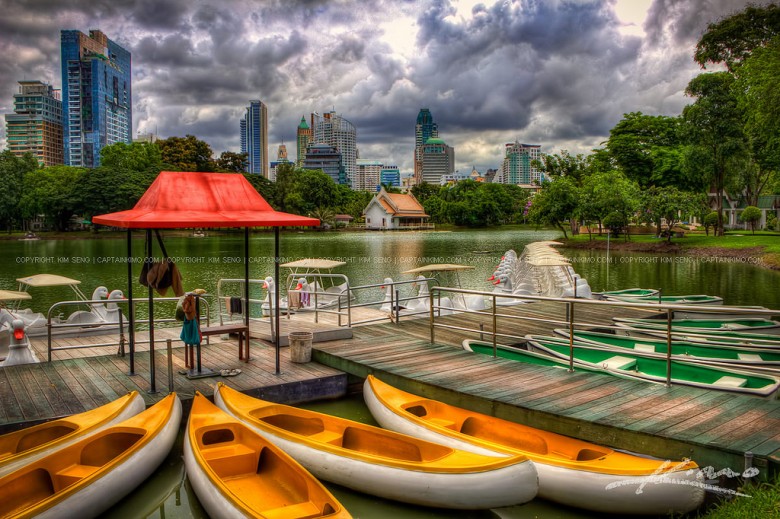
(368, 176)
(304, 135)
(36, 125)
(334, 130)
(96, 96)
(328, 159)
(254, 137)
(438, 160)
(424, 129)
(517, 167)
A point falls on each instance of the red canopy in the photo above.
(182, 200)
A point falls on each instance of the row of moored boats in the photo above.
(247, 457)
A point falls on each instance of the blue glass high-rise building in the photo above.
(254, 137)
(97, 96)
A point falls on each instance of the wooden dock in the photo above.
(712, 427)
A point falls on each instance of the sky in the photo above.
(559, 73)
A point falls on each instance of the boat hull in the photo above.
(496, 484)
(677, 491)
(22, 447)
(74, 494)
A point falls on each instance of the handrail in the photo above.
(109, 326)
(395, 299)
(570, 303)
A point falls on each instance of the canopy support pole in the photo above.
(130, 305)
(277, 322)
(246, 289)
(152, 382)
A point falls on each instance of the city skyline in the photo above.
(555, 73)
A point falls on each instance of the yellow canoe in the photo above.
(236, 472)
(571, 471)
(384, 463)
(86, 478)
(27, 445)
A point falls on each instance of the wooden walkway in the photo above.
(714, 428)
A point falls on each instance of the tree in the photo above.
(53, 192)
(12, 172)
(229, 161)
(714, 126)
(564, 165)
(608, 193)
(711, 220)
(136, 156)
(186, 154)
(554, 203)
(645, 146)
(732, 40)
(750, 215)
(423, 191)
(670, 204)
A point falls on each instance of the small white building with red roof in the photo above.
(392, 211)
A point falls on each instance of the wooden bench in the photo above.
(240, 328)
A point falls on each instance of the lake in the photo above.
(369, 257)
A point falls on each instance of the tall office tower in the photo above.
(254, 137)
(281, 158)
(97, 98)
(390, 175)
(438, 160)
(424, 129)
(36, 124)
(304, 135)
(517, 167)
(368, 175)
(328, 159)
(334, 130)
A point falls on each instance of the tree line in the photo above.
(658, 167)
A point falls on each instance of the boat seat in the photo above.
(305, 509)
(645, 348)
(750, 356)
(231, 460)
(443, 422)
(327, 437)
(71, 475)
(728, 381)
(618, 362)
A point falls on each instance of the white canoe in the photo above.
(571, 471)
(22, 447)
(384, 463)
(85, 479)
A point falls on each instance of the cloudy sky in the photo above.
(559, 73)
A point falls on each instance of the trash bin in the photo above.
(300, 346)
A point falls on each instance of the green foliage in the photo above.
(474, 204)
(423, 191)
(12, 172)
(713, 125)
(137, 156)
(555, 203)
(750, 215)
(732, 40)
(54, 192)
(710, 221)
(231, 162)
(771, 223)
(565, 165)
(670, 204)
(647, 149)
(608, 193)
(186, 154)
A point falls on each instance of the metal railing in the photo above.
(395, 301)
(570, 305)
(119, 326)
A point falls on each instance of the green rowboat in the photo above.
(744, 357)
(654, 369)
(670, 300)
(704, 326)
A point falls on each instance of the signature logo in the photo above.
(662, 476)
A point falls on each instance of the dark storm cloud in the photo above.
(555, 72)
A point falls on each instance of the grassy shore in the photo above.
(765, 246)
(764, 502)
